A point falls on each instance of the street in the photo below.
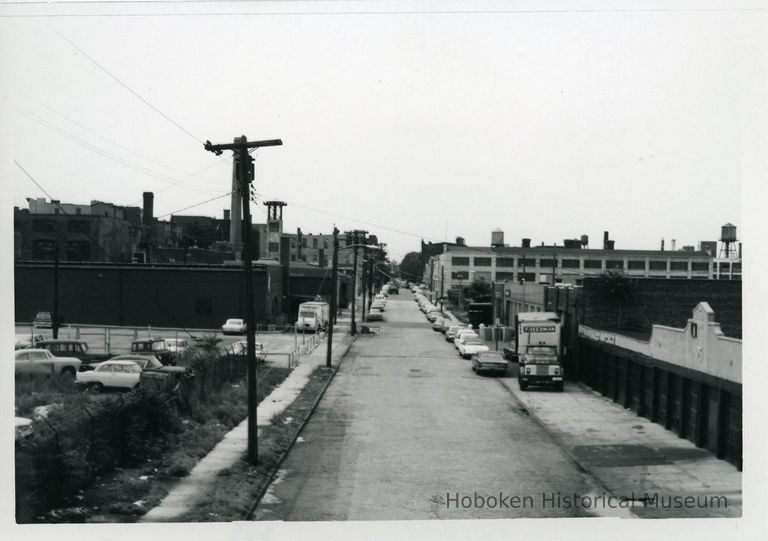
(407, 431)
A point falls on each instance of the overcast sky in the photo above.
(429, 123)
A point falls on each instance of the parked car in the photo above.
(42, 361)
(112, 374)
(233, 326)
(375, 314)
(489, 361)
(43, 320)
(462, 333)
(75, 348)
(177, 345)
(154, 346)
(24, 341)
(432, 315)
(394, 290)
(439, 324)
(452, 330)
(378, 304)
(240, 348)
(470, 345)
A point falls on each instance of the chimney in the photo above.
(526, 243)
(609, 244)
(662, 245)
(226, 214)
(605, 240)
(672, 244)
(147, 215)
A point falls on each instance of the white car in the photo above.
(470, 345)
(375, 314)
(233, 326)
(241, 348)
(42, 361)
(460, 334)
(177, 345)
(120, 374)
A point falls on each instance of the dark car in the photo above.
(75, 348)
(154, 346)
(489, 361)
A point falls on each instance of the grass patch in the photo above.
(237, 488)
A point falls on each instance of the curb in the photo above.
(270, 480)
(562, 445)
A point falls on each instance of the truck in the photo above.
(313, 316)
(538, 349)
(75, 348)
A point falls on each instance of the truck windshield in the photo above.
(306, 314)
(541, 358)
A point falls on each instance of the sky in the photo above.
(412, 120)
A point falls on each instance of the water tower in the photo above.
(497, 238)
(584, 240)
(728, 238)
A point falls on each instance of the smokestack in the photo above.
(460, 241)
(672, 244)
(605, 240)
(226, 214)
(149, 208)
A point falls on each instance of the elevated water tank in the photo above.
(728, 233)
(526, 243)
(497, 238)
(584, 241)
(460, 241)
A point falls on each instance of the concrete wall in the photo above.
(700, 346)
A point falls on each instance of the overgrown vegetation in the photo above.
(616, 286)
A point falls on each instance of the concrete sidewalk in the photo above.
(235, 443)
(632, 456)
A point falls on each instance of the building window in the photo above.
(700, 266)
(571, 263)
(526, 262)
(614, 264)
(459, 275)
(325, 243)
(636, 265)
(527, 276)
(460, 261)
(500, 276)
(203, 306)
(304, 242)
(43, 225)
(736, 267)
(482, 262)
(274, 227)
(593, 264)
(548, 263)
(273, 247)
(78, 211)
(505, 261)
(657, 265)
(314, 243)
(678, 265)
(78, 226)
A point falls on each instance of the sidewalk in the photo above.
(631, 456)
(235, 443)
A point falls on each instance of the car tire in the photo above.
(69, 372)
(559, 386)
(95, 387)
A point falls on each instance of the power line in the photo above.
(196, 204)
(136, 283)
(122, 161)
(129, 89)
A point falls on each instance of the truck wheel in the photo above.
(95, 387)
(559, 386)
(68, 372)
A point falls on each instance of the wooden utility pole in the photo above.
(364, 284)
(55, 316)
(334, 281)
(243, 165)
(355, 237)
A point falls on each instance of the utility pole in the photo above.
(364, 285)
(554, 262)
(55, 316)
(243, 165)
(355, 236)
(334, 272)
(442, 286)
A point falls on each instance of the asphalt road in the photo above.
(407, 431)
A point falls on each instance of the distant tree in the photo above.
(412, 266)
(478, 291)
(616, 286)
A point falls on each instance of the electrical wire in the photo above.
(138, 284)
(195, 205)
